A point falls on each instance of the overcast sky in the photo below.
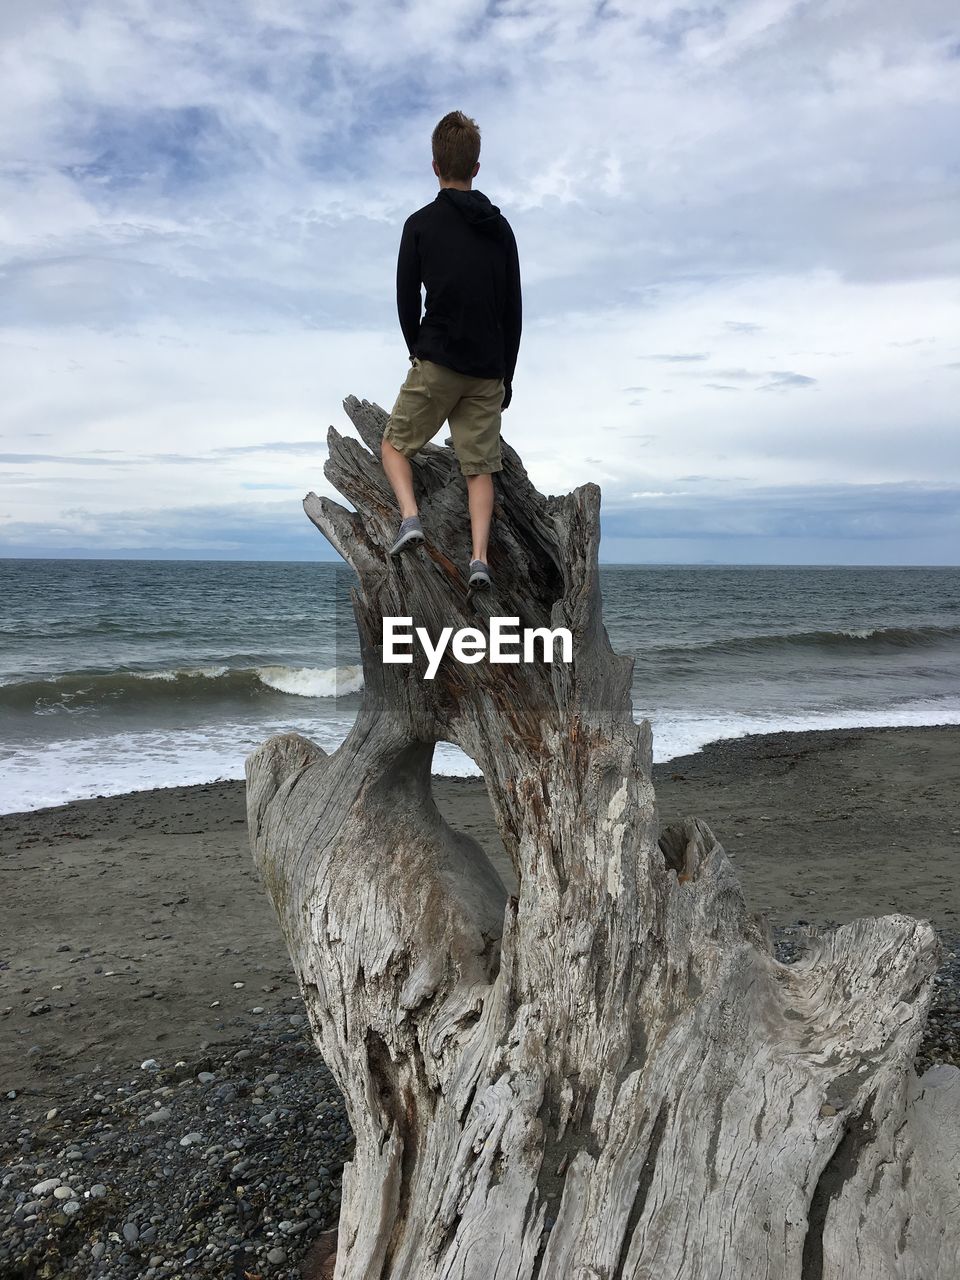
(739, 231)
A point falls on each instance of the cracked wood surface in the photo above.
(608, 1076)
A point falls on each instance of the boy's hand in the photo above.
(507, 394)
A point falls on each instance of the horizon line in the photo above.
(603, 564)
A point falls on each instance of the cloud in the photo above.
(241, 530)
(199, 219)
(700, 521)
(297, 448)
(784, 379)
(732, 374)
(679, 357)
(722, 526)
(76, 459)
(300, 448)
(115, 457)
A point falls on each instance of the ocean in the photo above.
(117, 675)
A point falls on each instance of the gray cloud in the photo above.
(925, 516)
(238, 530)
(734, 374)
(847, 513)
(117, 457)
(678, 357)
(78, 459)
(784, 379)
(296, 448)
(301, 448)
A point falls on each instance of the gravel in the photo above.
(106, 1191)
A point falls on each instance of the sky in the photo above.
(739, 232)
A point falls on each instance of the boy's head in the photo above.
(456, 149)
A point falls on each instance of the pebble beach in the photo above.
(164, 1112)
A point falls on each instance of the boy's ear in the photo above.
(476, 169)
(435, 167)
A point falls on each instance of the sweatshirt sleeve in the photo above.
(408, 287)
(512, 309)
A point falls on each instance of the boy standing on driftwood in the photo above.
(463, 350)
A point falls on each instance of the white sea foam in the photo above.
(52, 773)
(313, 682)
(210, 673)
(684, 733)
(73, 769)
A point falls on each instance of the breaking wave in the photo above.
(866, 640)
(77, 691)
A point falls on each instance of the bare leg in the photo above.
(480, 498)
(400, 474)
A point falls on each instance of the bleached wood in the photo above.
(607, 1076)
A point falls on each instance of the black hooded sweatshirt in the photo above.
(463, 250)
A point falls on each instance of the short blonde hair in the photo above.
(456, 146)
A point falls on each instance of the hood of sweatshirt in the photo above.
(472, 205)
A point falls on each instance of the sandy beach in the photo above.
(155, 1060)
(129, 921)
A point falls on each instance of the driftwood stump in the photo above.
(607, 1076)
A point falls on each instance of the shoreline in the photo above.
(126, 920)
(711, 744)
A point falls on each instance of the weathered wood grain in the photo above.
(609, 1076)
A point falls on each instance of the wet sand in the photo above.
(126, 921)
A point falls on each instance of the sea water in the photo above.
(117, 675)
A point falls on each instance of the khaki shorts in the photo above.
(433, 394)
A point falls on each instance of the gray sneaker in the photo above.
(411, 533)
(479, 575)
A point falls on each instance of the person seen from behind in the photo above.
(463, 348)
